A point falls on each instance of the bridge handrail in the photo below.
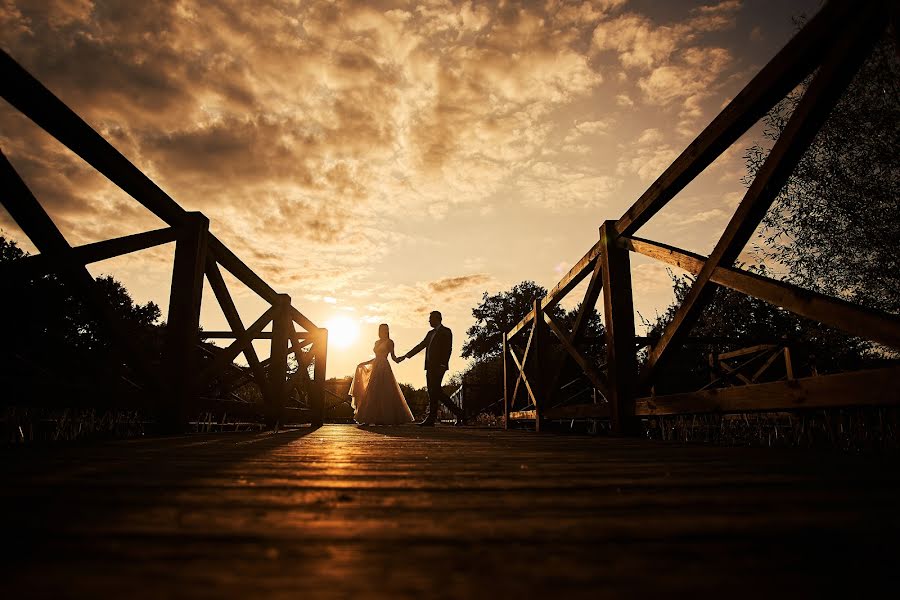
(198, 253)
(833, 44)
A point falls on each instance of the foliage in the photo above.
(835, 223)
(736, 320)
(497, 314)
(54, 328)
(416, 398)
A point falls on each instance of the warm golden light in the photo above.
(342, 331)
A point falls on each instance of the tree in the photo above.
(51, 327)
(497, 314)
(416, 398)
(836, 224)
(739, 321)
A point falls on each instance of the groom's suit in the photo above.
(437, 345)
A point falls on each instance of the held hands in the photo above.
(399, 360)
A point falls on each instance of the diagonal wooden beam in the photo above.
(524, 378)
(745, 351)
(730, 371)
(795, 61)
(762, 369)
(243, 273)
(302, 321)
(28, 213)
(591, 295)
(226, 303)
(870, 324)
(595, 377)
(42, 264)
(524, 360)
(230, 353)
(843, 60)
(31, 98)
(304, 359)
(106, 249)
(569, 282)
(581, 320)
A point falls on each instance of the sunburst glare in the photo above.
(342, 331)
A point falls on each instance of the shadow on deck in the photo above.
(343, 511)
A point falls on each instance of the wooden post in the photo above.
(506, 398)
(618, 312)
(278, 366)
(537, 360)
(317, 398)
(788, 365)
(183, 323)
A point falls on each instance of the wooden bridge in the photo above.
(339, 511)
(189, 377)
(830, 48)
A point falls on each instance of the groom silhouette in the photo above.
(437, 345)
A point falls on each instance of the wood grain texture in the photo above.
(854, 319)
(875, 387)
(408, 512)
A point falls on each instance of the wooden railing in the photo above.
(183, 380)
(834, 45)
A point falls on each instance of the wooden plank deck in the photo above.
(458, 513)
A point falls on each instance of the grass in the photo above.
(856, 429)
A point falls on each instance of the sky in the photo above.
(379, 160)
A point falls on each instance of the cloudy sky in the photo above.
(377, 160)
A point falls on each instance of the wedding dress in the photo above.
(377, 397)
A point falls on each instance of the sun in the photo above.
(342, 331)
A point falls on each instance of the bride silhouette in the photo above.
(377, 398)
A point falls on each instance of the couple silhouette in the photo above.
(377, 397)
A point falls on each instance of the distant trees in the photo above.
(498, 313)
(49, 326)
(836, 223)
(416, 398)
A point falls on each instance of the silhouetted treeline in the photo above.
(52, 332)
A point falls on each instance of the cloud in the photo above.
(650, 136)
(624, 100)
(320, 137)
(636, 41)
(674, 66)
(451, 284)
(407, 304)
(647, 157)
(550, 184)
(277, 119)
(586, 128)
